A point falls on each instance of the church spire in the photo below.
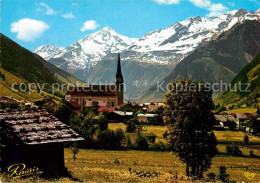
(119, 81)
(119, 76)
(118, 72)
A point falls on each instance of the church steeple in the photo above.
(118, 72)
(119, 81)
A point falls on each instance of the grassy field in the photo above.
(113, 166)
(243, 110)
(99, 166)
(222, 136)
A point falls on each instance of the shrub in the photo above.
(151, 137)
(141, 143)
(2, 76)
(108, 139)
(119, 138)
(102, 124)
(246, 139)
(165, 134)
(223, 176)
(129, 142)
(233, 150)
(131, 125)
(211, 176)
(160, 146)
(251, 153)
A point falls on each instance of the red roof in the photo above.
(93, 90)
(108, 109)
(74, 104)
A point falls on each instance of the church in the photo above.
(106, 96)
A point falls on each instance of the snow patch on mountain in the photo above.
(164, 46)
(48, 51)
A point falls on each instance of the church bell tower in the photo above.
(119, 81)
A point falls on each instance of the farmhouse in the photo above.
(34, 138)
(222, 120)
(243, 117)
(145, 117)
(99, 95)
(119, 116)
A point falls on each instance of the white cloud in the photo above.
(201, 3)
(74, 4)
(68, 15)
(215, 9)
(28, 29)
(46, 9)
(89, 25)
(167, 1)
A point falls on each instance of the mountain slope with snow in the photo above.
(48, 51)
(166, 46)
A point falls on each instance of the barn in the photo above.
(34, 138)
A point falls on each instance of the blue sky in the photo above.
(32, 23)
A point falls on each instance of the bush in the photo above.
(251, 153)
(103, 123)
(159, 146)
(165, 134)
(131, 125)
(108, 139)
(223, 176)
(141, 143)
(246, 139)
(128, 142)
(233, 150)
(151, 137)
(211, 176)
(2, 76)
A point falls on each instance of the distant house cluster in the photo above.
(239, 119)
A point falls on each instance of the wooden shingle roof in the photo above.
(35, 127)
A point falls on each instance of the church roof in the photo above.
(93, 91)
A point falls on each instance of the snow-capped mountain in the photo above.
(86, 52)
(48, 51)
(164, 46)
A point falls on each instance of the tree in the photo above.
(233, 150)
(223, 176)
(131, 125)
(74, 150)
(190, 122)
(246, 139)
(141, 143)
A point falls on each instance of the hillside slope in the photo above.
(220, 60)
(249, 74)
(19, 65)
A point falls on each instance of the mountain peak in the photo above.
(241, 12)
(107, 29)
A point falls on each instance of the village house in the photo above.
(242, 118)
(34, 138)
(222, 120)
(119, 116)
(145, 117)
(99, 95)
